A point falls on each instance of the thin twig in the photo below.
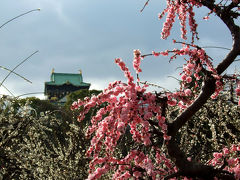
(18, 17)
(8, 90)
(184, 43)
(219, 47)
(155, 85)
(29, 94)
(175, 78)
(145, 55)
(17, 67)
(16, 74)
(144, 6)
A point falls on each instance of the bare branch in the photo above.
(218, 47)
(18, 17)
(29, 94)
(8, 90)
(15, 74)
(144, 6)
(17, 67)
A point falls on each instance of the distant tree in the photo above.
(38, 105)
(80, 94)
(41, 143)
(182, 134)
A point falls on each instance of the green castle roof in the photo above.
(58, 79)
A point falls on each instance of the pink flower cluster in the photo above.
(167, 26)
(143, 165)
(163, 53)
(238, 92)
(127, 106)
(198, 59)
(192, 23)
(231, 156)
(191, 75)
(180, 98)
(183, 9)
(137, 60)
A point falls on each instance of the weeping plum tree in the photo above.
(156, 121)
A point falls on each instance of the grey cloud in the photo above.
(88, 35)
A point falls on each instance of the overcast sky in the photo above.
(88, 35)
